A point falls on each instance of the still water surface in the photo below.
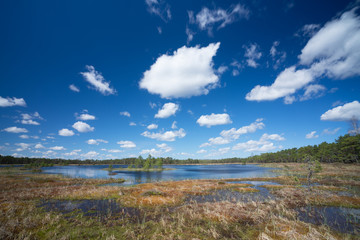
(180, 172)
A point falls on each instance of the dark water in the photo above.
(345, 220)
(180, 172)
(234, 196)
(92, 208)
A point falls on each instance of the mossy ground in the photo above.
(164, 214)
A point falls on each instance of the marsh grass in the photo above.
(163, 211)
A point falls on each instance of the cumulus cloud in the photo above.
(24, 136)
(39, 145)
(85, 117)
(29, 118)
(57, 148)
(159, 8)
(132, 124)
(66, 132)
(331, 52)
(11, 102)
(162, 148)
(152, 126)
(90, 155)
(97, 81)
(96, 141)
(82, 127)
(167, 110)
(252, 54)
(345, 112)
(214, 119)
(73, 152)
(188, 72)
(201, 151)
(15, 130)
(312, 135)
(227, 136)
(288, 82)
(168, 136)
(126, 144)
(74, 88)
(22, 146)
(125, 113)
(262, 145)
(206, 19)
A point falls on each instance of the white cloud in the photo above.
(277, 56)
(214, 119)
(343, 113)
(227, 136)
(159, 8)
(332, 52)
(188, 72)
(126, 144)
(313, 91)
(114, 151)
(30, 122)
(190, 34)
(15, 130)
(39, 145)
(95, 142)
(125, 113)
(252, 54)
(28, 118)
(152, 126)
(331, 132)
(167, 110)
(24, 136)
(73, 152)
(66, 132)
(89, 155)
(10, 102)
(85, 117)
(74, 88)
(97, 81)
(262, 145)
(308, 30)
(162, 148)
(132, 124)
(201, 151)
(286, 83)
(207, 19)
(168, 136)
(173, 125)
(219, 152)
(82, 127)
(312, 135)
(22, 146)
(57, 148)
(274, 137)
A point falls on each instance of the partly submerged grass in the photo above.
(164, 214)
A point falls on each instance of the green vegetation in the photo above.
(346, 149)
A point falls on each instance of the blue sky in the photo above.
(184, 79)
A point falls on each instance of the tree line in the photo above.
(345, 149)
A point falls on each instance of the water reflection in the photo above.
(180, 172)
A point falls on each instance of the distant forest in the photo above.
(345, 149)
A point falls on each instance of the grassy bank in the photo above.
(162, 210)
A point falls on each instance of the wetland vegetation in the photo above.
(307, 199)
